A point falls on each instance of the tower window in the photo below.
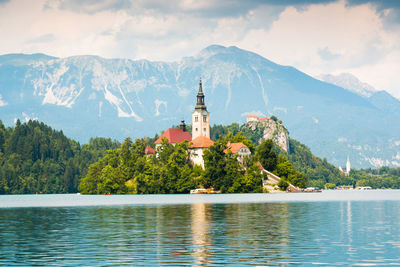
(204, 129)
(196, 118)
(205, 118)
(197, 129)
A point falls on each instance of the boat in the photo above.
(363, 188)
(204, 191)
(312, 190)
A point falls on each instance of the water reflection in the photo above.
(201, 239)
(343, 233)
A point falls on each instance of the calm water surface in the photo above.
(331, 228)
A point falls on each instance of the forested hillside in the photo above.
(319, 171)
(34, 158)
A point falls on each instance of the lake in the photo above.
(329, 228)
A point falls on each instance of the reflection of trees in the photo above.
(251, 233)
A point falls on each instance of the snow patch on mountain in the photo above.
(349, 82)
(50, 84)
(158, 103)
(2, 102)
(100, 106)
(264, 94)
(378, 162)
(108, 81)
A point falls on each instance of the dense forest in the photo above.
(37, 159)
(34, 158)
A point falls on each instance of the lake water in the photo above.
(330, 228)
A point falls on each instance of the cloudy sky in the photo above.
(356, 36)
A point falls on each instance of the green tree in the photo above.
(266, 155)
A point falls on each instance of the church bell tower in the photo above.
(200, 116)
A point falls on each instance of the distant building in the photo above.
(251, 117)
(346, 170)
(238, 148)
(200, 116)
(264, 118)
(175, 136)
(196, 149)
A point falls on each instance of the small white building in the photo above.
(196, 149)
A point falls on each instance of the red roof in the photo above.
(174, 136)
(252, 116)
(265, 118)
(234, 147)
(201, 142)
(149, 150)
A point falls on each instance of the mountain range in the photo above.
(89, 96)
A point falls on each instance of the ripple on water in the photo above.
(265, 233)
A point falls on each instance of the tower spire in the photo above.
(200, 97)
(200, 116)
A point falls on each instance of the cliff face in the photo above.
(271, 129)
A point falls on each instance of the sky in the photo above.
(360, 37)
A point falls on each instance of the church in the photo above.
(200, 138)
(200, 130)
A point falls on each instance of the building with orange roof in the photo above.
(197, 147)
(251, 117)
(238, 148)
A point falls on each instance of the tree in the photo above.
(214, 163)
(266, 155)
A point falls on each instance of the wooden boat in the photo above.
(204, 191)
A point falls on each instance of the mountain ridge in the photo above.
(89, 96)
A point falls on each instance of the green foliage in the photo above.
(128, 170)
(218, 131)
(37, 159)
(383, 177)
(267, 156)
(287, 172)
(224, 172)
(319, 171)
(283, 185)
(330, 186)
